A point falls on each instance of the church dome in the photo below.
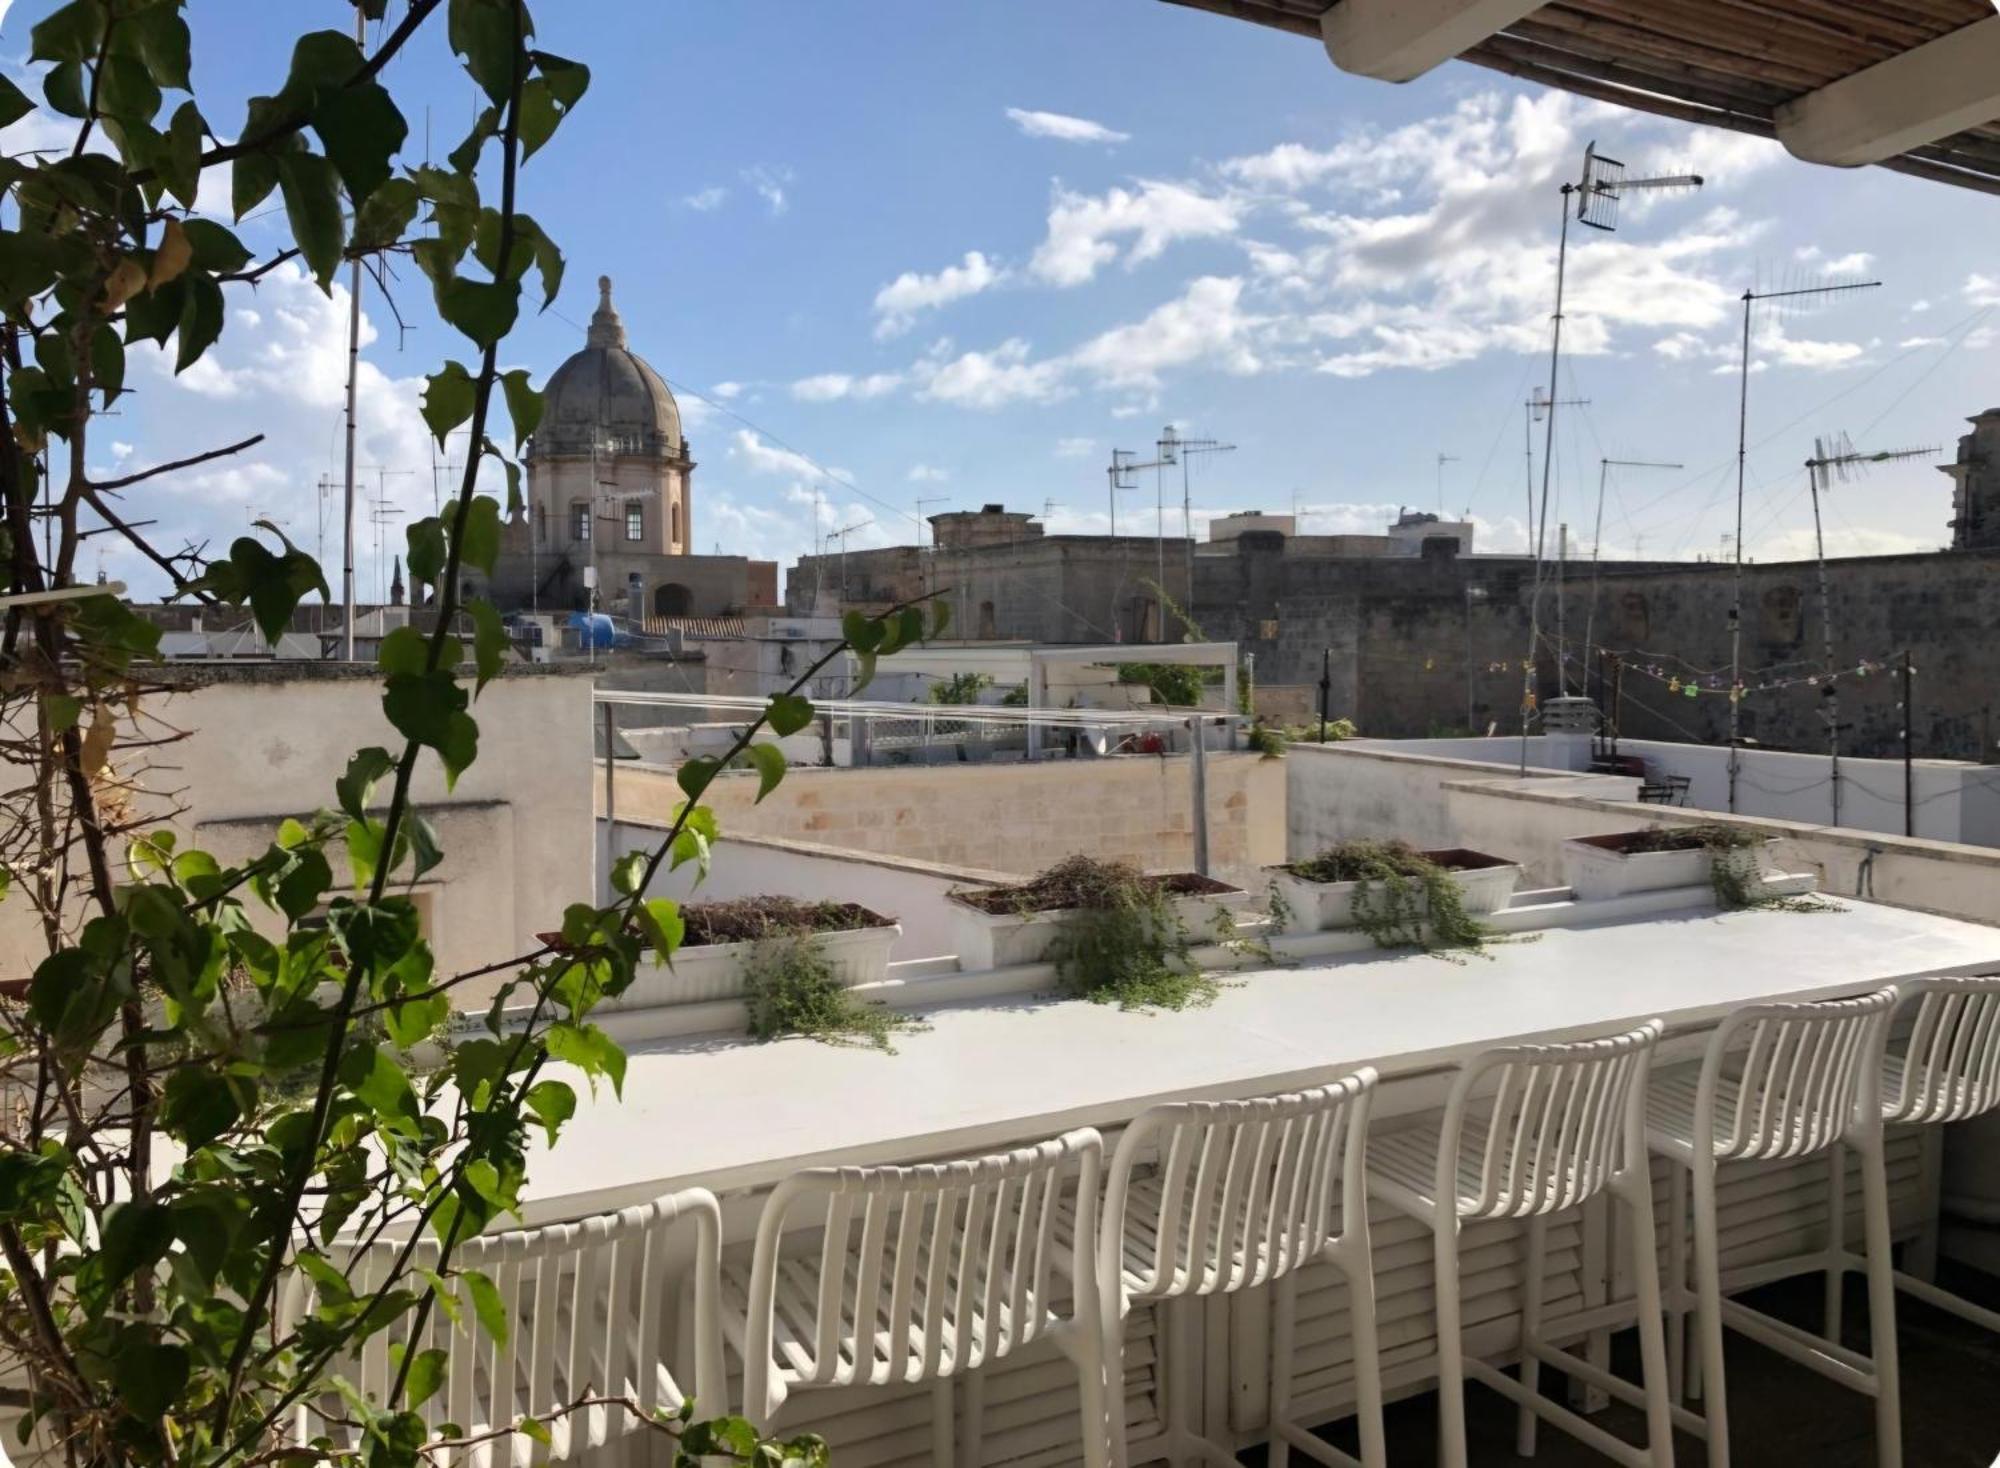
(609, 396)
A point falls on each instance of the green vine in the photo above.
(1402, 897)
(1122, 941)
(1733, 870)
(792, 988)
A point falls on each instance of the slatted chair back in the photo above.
(1559, 1124)
(1210, 1197)
(1788, 1080)
(1948, 1068)
(583, 1303)
(920, 1273)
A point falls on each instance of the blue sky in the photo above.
(964, 250)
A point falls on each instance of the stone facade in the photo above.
(1975, 477)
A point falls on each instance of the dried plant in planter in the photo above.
(791, 988)
(1123, 942)
(747, 919)
(1404, 898)
(1732, 866)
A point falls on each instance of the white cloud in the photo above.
(705, 201)
(1855, 262)
(770, 181)
(727, 391)
(1851, 540)
(121, 451)
(898, 303)
(1075, 448)
(1917, 308)
(1911, 342)
(1086, 232)
(927, 474)
(765, 458)
(1063, 127)
(1982, 290)
(830, 387)
(994, 379)
(1202, 325)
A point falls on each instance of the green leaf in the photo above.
(63, 89)
(107, 362)
(590, 1050)
(201, 321)
(551, 1103)
(162, 37)
(862, 632)
(940, 617)
(364, 850)
(567, 79)
(200, 1106)
(429, 709)
(628, 871)
(299, 890)
(361, 130)
(404, 650)
(482, 31)
(387, 215)
(311, 191)
(864, 673)
(178, 159)
(426, 1378)
(126, 93)
(425, 545)
(450, 394)
(477, 529)
(364, 768)
(71, 33)
(424, 847)
(661, 921)
(770, 763)
(693, 776)
(215, 247)
(252, 176)
(150, 1377)
(63, 711)
(487, 1305)
(465, 157)
(541, 113)
(489, 642)
(524, 404)
(482, 310)
(14, 103)
(272, 585)
(788, 713)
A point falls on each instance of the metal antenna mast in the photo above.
(1750, 299)
(1537, 404)
(1116, 477)
(922, 500)
(1604, 468)
(1603, 185)
(1123, 466)
(1838, 460)
(1187, 448)
(1443, 459)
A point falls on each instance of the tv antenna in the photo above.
(381, 512)
(1604, 468)
(842, 533)
(1837, 461)
(1443, 459)
(922, 568)
(1185, 449)
(1537, 405)
(1823, 290)
(1598, 194)
(1049, 507)
(1124, 464)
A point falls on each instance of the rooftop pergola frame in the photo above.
(1911, 85)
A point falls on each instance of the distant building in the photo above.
(1975, 477)
(610, 491)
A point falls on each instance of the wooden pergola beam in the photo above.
(1399, 40)
(1906, 102)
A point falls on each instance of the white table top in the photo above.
(726, 1112)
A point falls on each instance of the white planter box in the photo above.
(715, 970)
(1595, 871)
(990, 940)
(1317, 907)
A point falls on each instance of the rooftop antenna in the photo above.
(1122, 470)
(1604, 468)
(843, 532)
(922, 500)
(1534, 409)
(1049, 507)
(1798, 297)
(1118, 477)
(1187, 448)
(1836, 460)
(1443, 459)
(1598, 194)
(381, 512)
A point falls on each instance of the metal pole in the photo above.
(353, 371)
(1471, 722)
(1617, 698)
(1736, 595)
(1187, 529)
(1111, 491)
(1831, 692)
(1198, 768)
(1548, 457)
(610, 794)
(1160, 533)
(1562, 610)
(1909, 771)
(1325, 688)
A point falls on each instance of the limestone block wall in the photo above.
(1010, 818)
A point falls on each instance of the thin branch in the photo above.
(108, 486)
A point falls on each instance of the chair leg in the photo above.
(1359, 1267)
(1881, 1302)
(1638, 1197)
(1183, 1377)
(971, 1419)
(1836, 1238)
(1708, 1309)
(1676, 1283)
(942, 1447)
(1534, 1240)
(1284, 1316)
(1089, 1355)
(1450, 1345)
(1111, 1378)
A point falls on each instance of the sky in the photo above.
(901, 251)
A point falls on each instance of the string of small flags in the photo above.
(1692, 685)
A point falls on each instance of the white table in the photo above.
(728, 1113)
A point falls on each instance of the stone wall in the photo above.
(1012, 818)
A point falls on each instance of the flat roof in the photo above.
(726, 1112)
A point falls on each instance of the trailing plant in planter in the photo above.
(1733, 871)
(792, 988)
(1404, 897)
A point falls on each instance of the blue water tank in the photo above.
(593, 630)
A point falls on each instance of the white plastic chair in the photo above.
(924, 1274)
(1779, 1081)
(1212, 1197)
(1945, 1069)
(585, 1304)
(1564, 1124)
